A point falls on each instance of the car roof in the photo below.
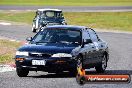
(49, 9)
(68, 26)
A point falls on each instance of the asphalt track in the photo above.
(72, 8)
(119, 63)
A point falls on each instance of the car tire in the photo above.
(34, 30)
(64, 23)
(79, 63)
(73, 72)
(22, 72)
(102, 67)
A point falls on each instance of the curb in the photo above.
(10, 67)
(6, 68)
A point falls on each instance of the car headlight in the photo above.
(22, 53)
(61, 55)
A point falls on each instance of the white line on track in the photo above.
(5, 23)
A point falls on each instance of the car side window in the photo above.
(93, 36)
(86, 35)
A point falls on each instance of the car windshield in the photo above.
(51, 14)
(57, 35)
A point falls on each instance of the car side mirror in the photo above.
(88, 41)
(29, 39)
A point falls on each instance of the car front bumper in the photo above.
(51, 64)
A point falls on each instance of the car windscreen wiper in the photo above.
(69, 42)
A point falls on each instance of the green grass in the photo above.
(17, 16)
(102, 20)
(7, 50)
(68, 2)
(110, 20)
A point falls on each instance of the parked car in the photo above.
(46, 17)
(62, 48)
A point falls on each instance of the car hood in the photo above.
(48, 48)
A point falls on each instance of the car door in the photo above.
(98, 44)
(88, 50)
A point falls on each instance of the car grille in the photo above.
(43, 55)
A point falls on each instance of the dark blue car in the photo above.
(62, 48)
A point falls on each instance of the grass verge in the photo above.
(7, 51)
(68, 2)
(102, 20)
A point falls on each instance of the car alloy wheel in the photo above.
(104, 63)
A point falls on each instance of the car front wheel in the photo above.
(74, 71)
(22, 72)
(33, 29)
(79, 64)
(101, 68)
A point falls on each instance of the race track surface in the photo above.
(72, 8)
(119, 63)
